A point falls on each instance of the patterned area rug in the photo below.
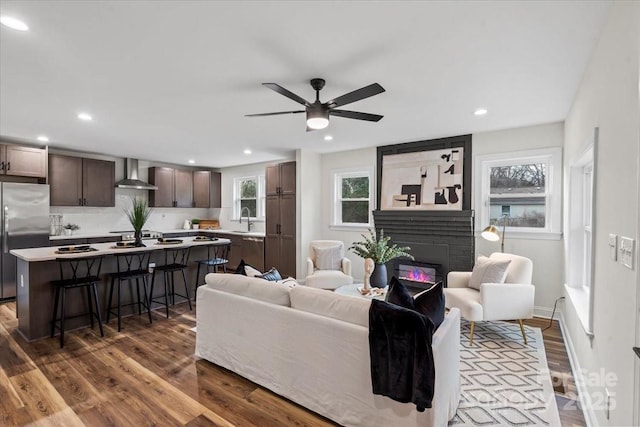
(504, 382)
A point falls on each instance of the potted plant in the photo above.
(70, 228)
(138, 216)
(379, 250)
(195, 223)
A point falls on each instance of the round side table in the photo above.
(352, 291)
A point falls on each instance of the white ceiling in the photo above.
(171, 80)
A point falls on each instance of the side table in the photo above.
(352, 291)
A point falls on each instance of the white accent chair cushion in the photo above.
(513, 299)
(327, 253)
(488, 270)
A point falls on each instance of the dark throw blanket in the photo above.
(401, 356)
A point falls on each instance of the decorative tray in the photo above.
(205, 239)
(162, 241)
(124, 245)
(75, 249)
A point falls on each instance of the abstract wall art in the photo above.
(423, 180)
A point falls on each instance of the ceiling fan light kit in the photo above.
(318, 113)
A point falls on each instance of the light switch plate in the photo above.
(613, 247)
(627, 251)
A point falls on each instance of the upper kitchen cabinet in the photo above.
(175, 188)
(206, 189)
(77, 181)
(16, 160)
(281, 179)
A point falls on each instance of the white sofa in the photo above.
(312, 347)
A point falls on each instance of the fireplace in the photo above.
(442, 241)
(416, 274)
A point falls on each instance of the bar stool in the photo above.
(217, 255)
(131, 266)
(175, 259)
(85, 273)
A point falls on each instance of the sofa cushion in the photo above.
(328, 258)
(487, 270)
(430, 302)
(326, 303)
(247, 270)
(399, 295)
(328, 279)
(251, 287)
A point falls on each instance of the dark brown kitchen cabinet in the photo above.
(206, 189)
(16, 160)
(280, 233)
(175, 188)
(77, 181)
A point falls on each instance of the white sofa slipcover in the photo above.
(318, 361)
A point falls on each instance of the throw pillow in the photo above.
(329, 258)
(240, 269)
(247, 270)
(272, 275)
(399, 295)
(488, 270)
(431, 303)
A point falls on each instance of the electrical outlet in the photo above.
(613, 247)
(627, 251)
(152, 265)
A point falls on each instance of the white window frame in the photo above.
(260, 196)
(552, 157)
(336, 198)
(582, 223)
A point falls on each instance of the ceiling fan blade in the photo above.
(274, 114)
(356, 115)
(356, 95)
(282, 91)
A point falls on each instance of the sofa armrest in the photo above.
(507, 301)
(458, 279)
(346, 266)
(309, 267)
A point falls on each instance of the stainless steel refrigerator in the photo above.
(24, 223)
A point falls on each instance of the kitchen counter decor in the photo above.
(138, 216)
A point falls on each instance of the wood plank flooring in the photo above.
(148, 375)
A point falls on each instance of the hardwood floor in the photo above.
(148, 375)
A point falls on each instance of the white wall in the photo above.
(547, 255)
(608, 98)
(308, 205)
(365, 157)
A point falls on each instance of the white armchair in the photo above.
(510, 300)
(327, 267)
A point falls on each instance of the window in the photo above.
(249, 194)
(352, 198)
(521, 188)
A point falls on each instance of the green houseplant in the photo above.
(379, 250)
(70, 228)
(195, 223)
(138, 216)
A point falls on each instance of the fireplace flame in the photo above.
(416, 274)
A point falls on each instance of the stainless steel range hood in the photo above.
(131, 180)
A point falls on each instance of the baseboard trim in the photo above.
(589, 416)
(545, 312)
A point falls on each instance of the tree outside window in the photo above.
(352, 203)
(248, 196)
(520, 192)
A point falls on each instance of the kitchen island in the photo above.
(36, 267)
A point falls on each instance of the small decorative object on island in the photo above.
(369, 265)
(70, 228)
(138, 216)
(195, 223)
(380, 252)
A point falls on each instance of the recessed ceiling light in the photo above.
(247, 151)
(13, 23)
(192, 161)
(328, 138)
(84, 116)
(480, 112)
(43, 138)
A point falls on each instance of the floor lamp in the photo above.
(492, 234)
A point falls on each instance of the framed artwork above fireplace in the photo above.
(425, 175)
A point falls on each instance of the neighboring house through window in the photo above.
(352, 190)
(521, 188)
(249, 193)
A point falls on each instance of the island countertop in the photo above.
(48, 253)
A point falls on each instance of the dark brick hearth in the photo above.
(445, 238)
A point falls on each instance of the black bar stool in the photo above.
(131, 266)
(217, 256)
(85, 273)
(175, 259)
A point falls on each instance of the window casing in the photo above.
(526, 187)
(249, 192)
(352, 195)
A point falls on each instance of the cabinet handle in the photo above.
(79, 201)
(84, 202)
(8, 166)
(2, 165)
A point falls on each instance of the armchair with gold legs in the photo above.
(511, 300)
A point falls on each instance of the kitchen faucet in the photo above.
(248, 218)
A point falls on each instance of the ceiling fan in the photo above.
(318, 112)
